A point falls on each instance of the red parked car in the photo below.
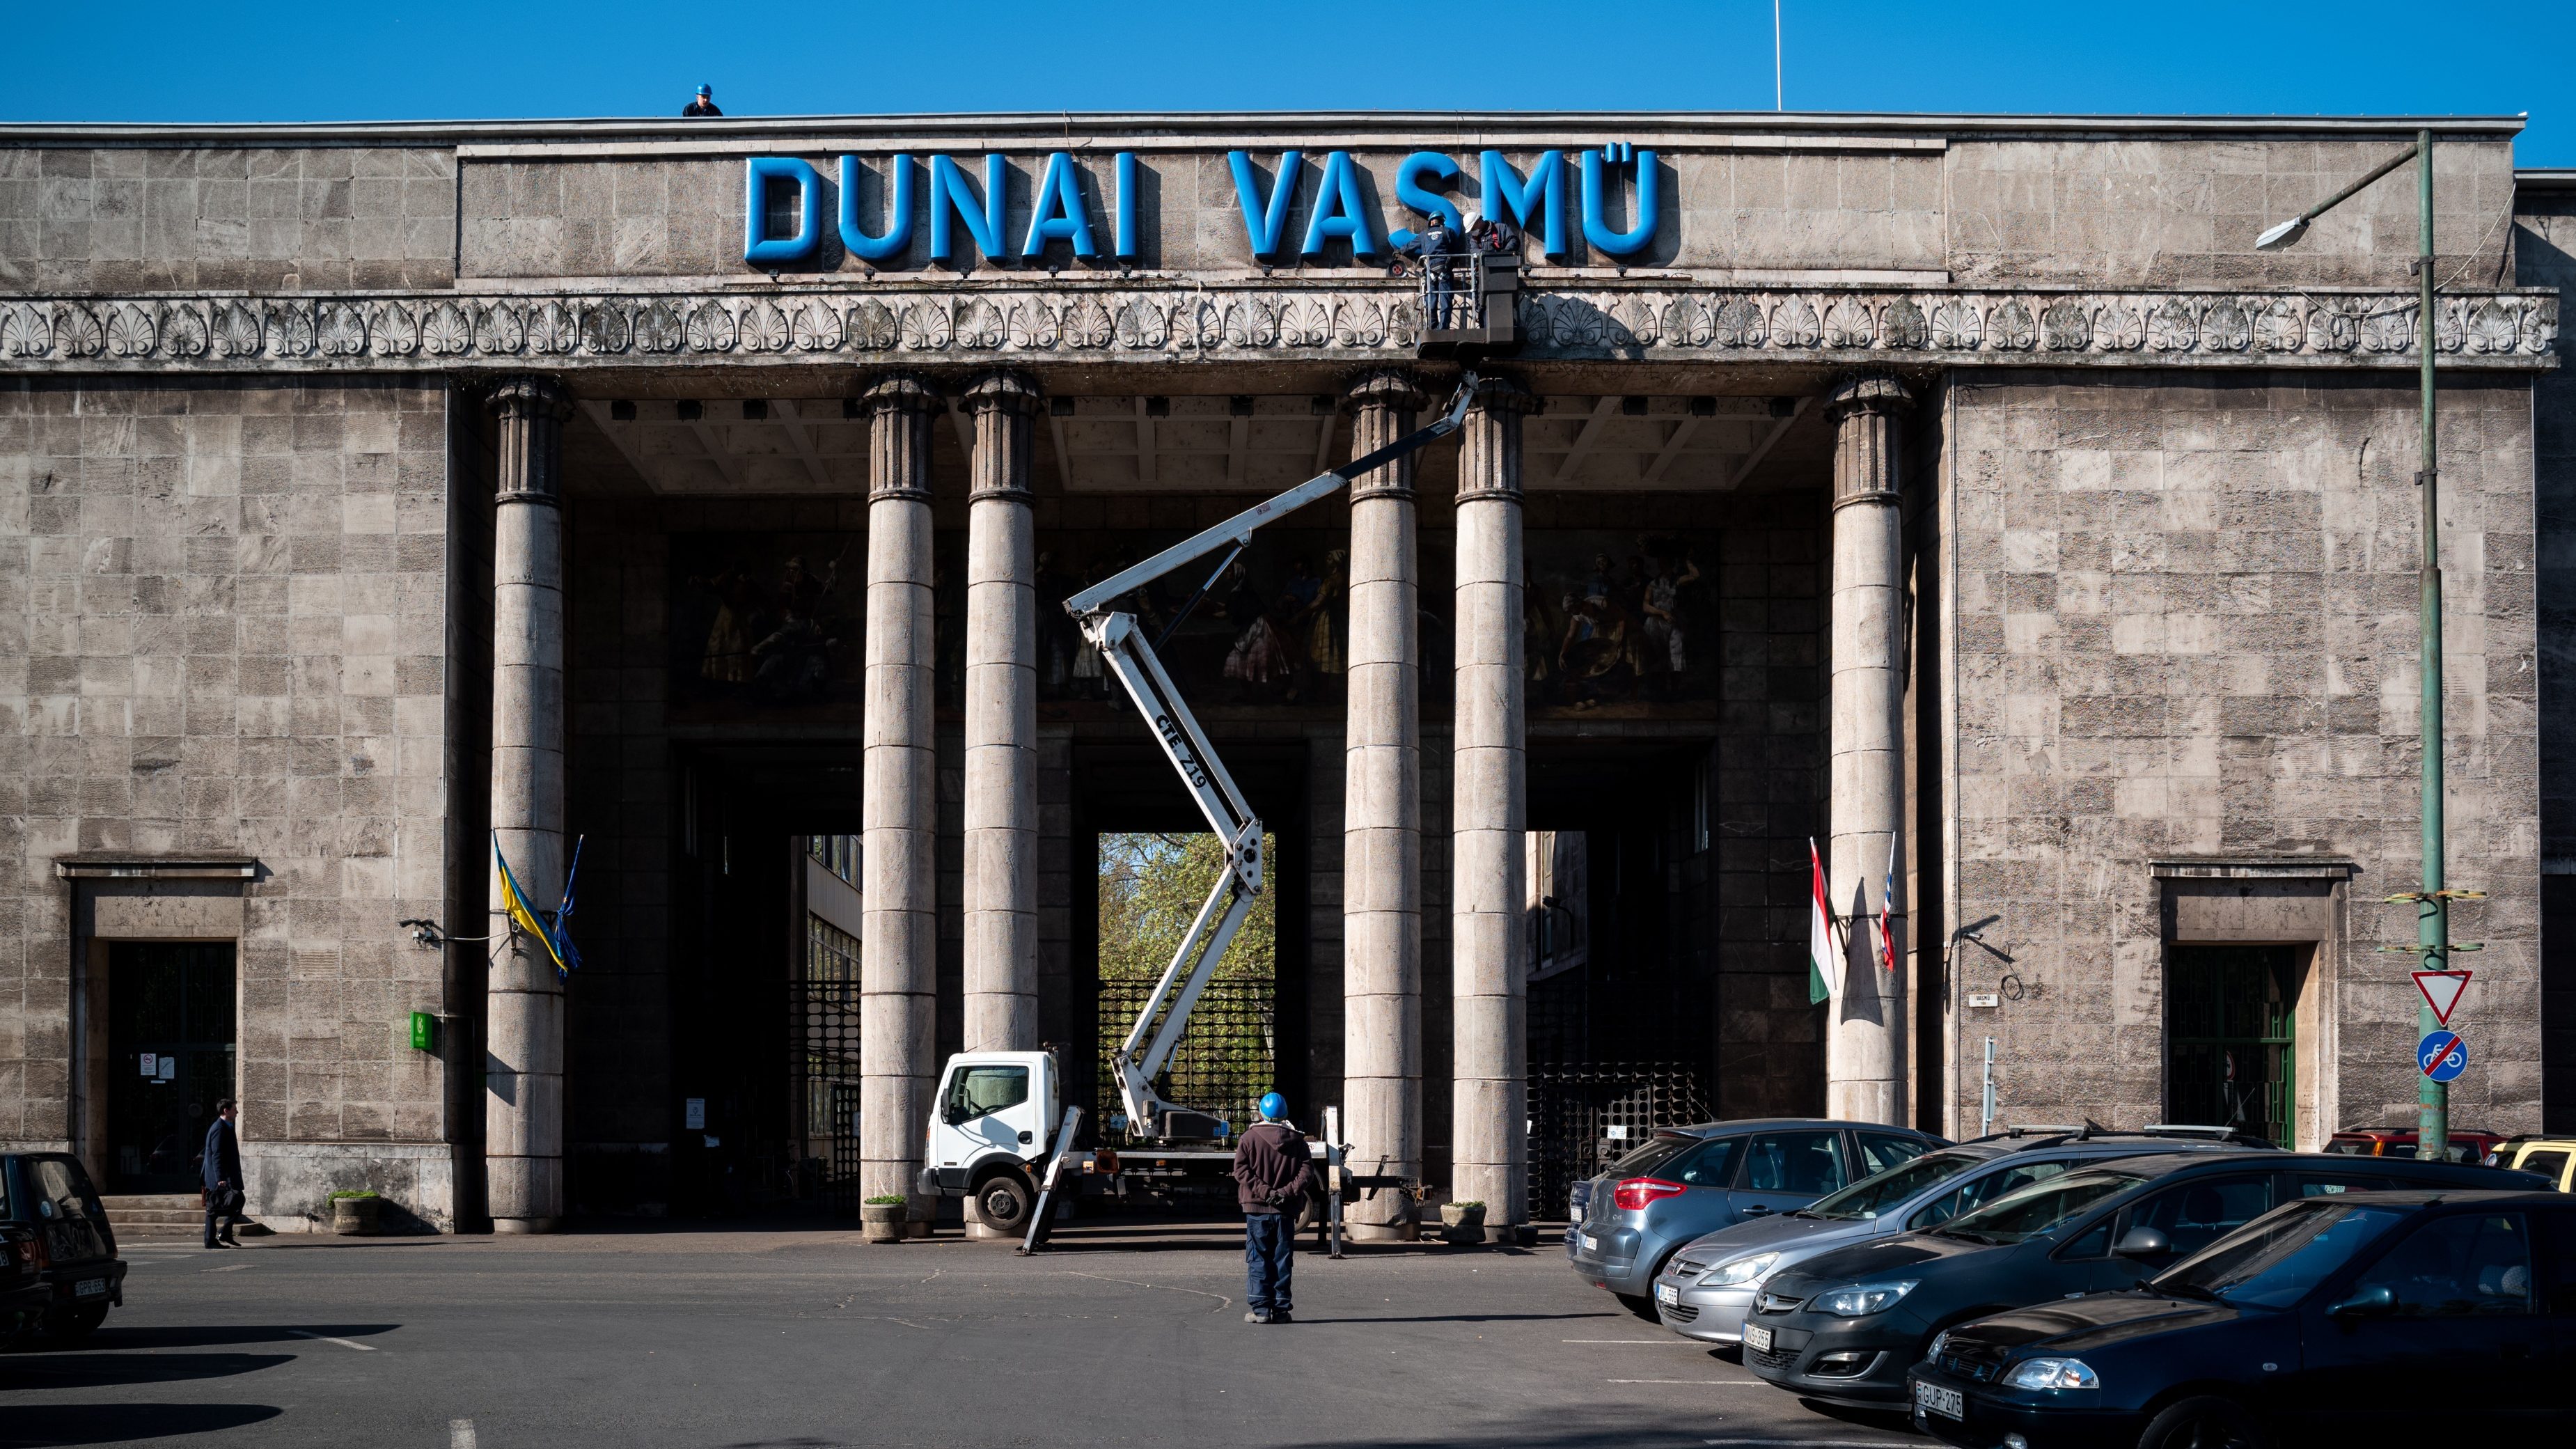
(2400, 1142)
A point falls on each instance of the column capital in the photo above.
(1501, 392)
(1002, 389)
(1386, 387)
(530, 395)
(901, 392)
(1868, 392)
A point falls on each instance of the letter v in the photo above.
(1265, 222)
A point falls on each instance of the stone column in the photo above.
(1001, 722)
(1489, 813)
(1382, 818)
(899, 809)
(523, 1005)
(1865, 1073)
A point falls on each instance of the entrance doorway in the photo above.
(170, 1058)
(1152, 884)
(2230, 1027)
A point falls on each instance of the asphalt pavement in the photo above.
(1126, 1337)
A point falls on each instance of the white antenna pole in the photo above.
(1779, 97)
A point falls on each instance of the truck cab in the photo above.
(989, 1125)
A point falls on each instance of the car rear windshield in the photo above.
(1659, 1149)
(1871, 1196)
(2035, 1209)
(2274, 1260)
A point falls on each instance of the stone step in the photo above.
(150, 1201)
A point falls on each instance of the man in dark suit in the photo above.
(223, 1177)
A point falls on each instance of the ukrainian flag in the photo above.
(523, 915)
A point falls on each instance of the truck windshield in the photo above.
(2274, 1260)
(2018, 1216)
(1871, 1196)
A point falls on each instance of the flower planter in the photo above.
(881, 1222)
(1462, 1222)
(354, 1217)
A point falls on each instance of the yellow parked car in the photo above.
(2552, 1157)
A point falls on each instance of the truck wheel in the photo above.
(1004, 1202)
(1310, 1213)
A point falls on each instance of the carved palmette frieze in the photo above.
(447, 330)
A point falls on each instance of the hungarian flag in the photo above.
(1887, 903)
(1824, 951)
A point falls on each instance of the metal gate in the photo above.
(2229, 1027)
(823, 1027)
(1573, 1111)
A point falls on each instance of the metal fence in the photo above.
(1573, 1109)
(1225, 1060)
(823, 1036)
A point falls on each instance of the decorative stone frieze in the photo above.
(455, 331)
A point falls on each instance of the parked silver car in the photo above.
(1706, 1289)
(1685, 1181)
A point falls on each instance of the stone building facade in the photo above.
(1964, 496)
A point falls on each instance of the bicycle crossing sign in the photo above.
(2442, 991)
(2442, 1055)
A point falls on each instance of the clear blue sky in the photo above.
(388, 60)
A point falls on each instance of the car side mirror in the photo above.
(2376, 1301)
(2143, 1243)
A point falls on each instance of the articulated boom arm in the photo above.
(1130, 656)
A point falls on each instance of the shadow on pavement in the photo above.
(49, 1424)
(103, 1370)
(218, 1335)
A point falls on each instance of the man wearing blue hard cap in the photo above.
(1272, 1173)
(702, 104)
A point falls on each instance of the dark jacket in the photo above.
(697, 108)
(1272, 1167)
(223, 1156)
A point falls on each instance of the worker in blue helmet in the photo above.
(1273, 1173)
(702, 104)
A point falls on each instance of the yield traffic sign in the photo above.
(2442, 1055)
(2442, 991)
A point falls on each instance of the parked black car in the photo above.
(1845, 1326)
(48, 1195)
(2343, 1319)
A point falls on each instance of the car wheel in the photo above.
(2203, 1423)
(1004, 1202)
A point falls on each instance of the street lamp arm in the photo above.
(2290, 231)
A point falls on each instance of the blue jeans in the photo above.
(1269, 1252)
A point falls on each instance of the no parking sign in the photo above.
(2442, 1055)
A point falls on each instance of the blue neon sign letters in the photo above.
(1542, 202)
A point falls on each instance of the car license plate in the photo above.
(1933, 1399)
(90, 1288)
(1757, 1338)
(1583, 1244)
(1667, 1293)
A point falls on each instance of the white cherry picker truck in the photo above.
(999, 1133)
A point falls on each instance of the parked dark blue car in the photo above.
(2364, 1318)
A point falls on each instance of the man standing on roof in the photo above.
(702, 104)
(1272, 1170)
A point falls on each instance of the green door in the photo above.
(170, 1059)
(2229, 1014)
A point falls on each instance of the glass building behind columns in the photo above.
(1964, 495)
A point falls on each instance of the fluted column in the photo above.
(899, 811)
(1489, 813)
(1865, 1041)
(523, 1006)
(1382, 817)
(1001, 722)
